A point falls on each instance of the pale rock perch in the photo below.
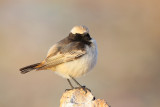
(78, 98)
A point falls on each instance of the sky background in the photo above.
(127, 32)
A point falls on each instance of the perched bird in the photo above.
(71, 57)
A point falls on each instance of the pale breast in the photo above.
(80, 66)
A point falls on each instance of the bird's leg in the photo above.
(77, 82)
(70, 83)
(80, 86)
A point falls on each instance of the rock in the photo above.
(80, 98)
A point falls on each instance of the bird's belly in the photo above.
(78, 67)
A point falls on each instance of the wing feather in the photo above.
(60, 55)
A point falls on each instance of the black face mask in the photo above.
(86, 37)
(80, 37)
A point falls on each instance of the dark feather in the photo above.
(28, 68)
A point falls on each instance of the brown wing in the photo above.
(58, 54)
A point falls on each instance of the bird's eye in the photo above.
(87, 37)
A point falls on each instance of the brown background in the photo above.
(128, 36)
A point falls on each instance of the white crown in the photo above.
(79, 29)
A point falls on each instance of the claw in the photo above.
(84, 89)
(68, 89)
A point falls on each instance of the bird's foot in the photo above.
(69, 89)
(84, 88)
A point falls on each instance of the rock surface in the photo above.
(80, 98)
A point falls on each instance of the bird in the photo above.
(72, 57)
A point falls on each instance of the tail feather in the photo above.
(29, 68)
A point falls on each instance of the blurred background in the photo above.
(127, 32)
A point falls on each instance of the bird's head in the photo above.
(80, 33)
